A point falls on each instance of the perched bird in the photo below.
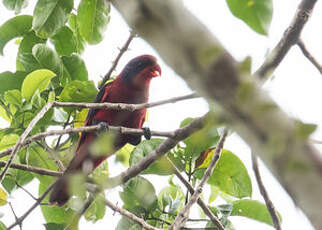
(131, 86)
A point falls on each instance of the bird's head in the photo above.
(140, 70)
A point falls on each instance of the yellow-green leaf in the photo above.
(3, 197)
(38, 79)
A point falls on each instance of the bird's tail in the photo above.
(60, 193)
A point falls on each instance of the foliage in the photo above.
(49, 67)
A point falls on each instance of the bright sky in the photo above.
(296, 87)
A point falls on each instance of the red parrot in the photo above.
(131, 86)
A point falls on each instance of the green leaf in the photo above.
(27, 43)
(123, 154)
(48, 58)
(14, 27)
(75, 28)
(64, 41)
(160, 167)
(173, 197)
(9, 81)
(92, 18)
(16, 176)
(139, 192)
(127, 224)
(3, 197)
(75, 67)
(50, 16)
(2, 226)
(37, 80)
(200, 140)
(254, 210)
(257, 14)
(304, 130)
(54, 226)
(15, 5)
(78, 91)
(13, 97)
(97, 209)
(8, 140)
(230, 175)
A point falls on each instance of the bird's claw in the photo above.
(103, 126)
(147, 133)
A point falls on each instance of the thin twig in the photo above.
(26, 191)
(122, 106)
(35, 205)
(270, 206)
(183, 215)
(290, 38)
(33, 169)
(200, 202)
(14, 213)
(115, 62)
(52, 154)
(308, 55)
(130, 215)
(23, 137)
(92, 128)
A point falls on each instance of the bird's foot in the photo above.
(103, 126)
(147, 133)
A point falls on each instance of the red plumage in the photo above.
(132, 87)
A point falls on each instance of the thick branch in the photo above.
(207, 67)
(290, 38)
(115, 62)
(33, 169)
(130, 215)
(182, 217)
(270, 206)
(309, 56)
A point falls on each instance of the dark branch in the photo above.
(115, 62)
(290, 38)
(269, 203)
(308, 55)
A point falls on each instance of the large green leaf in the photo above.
(14, 27)
(13, 97)
(8, 140)
(9, 81)
(47, 58)
(200, 140)
(75, 28)
(127, 224)
(15, 5)
(75, 67)
(160, 167)
(252, 209)
(27, 43)
(78, 91)
(50, 16)
(64, 41)
(230, 174)
(139, 192)
(92, 18)
(37, 80)
(257, 14)
(97, 209)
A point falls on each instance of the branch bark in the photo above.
(289, 39)
(183, 215)
(207, 67)
(309, 56)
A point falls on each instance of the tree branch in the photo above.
(182, 217)
(115, 62)
(241, 103)
(130, 215)
(163, 148)
(290, 38)
(35, 205)
(309, 56)
(23, 137)
(200, 202)
(263, 191)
